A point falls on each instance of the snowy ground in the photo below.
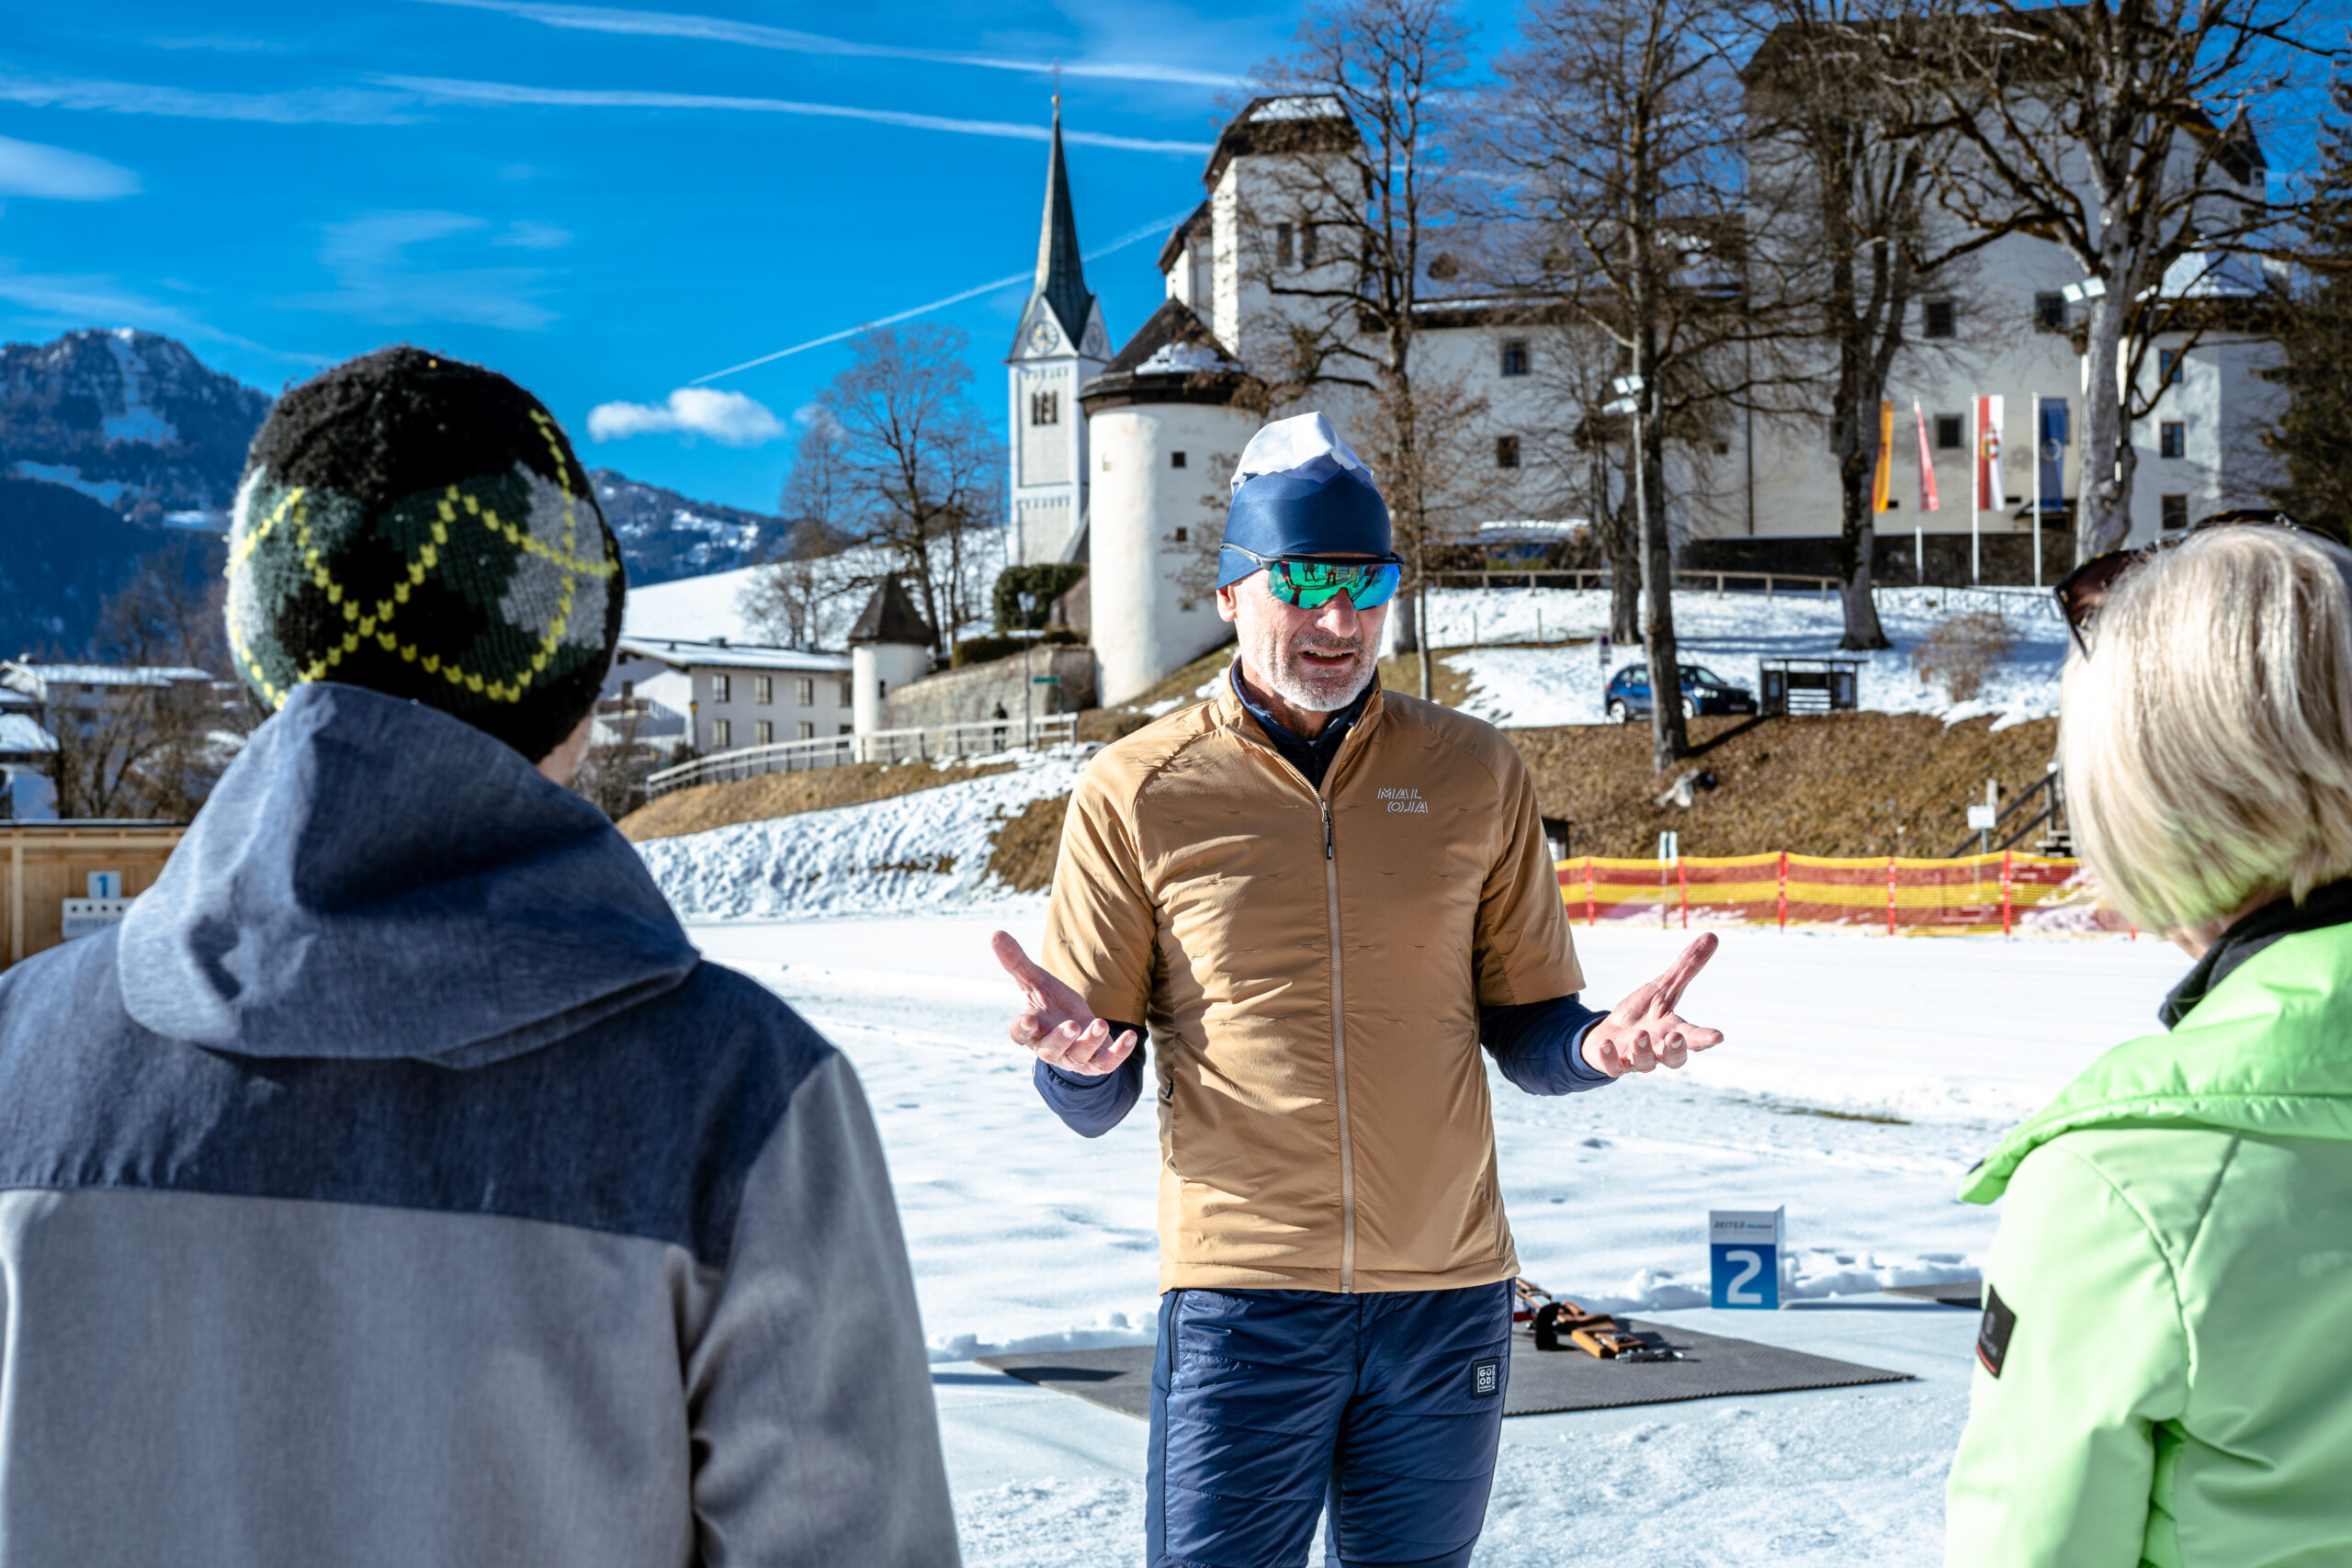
(1025, 1236)
(1525, 687)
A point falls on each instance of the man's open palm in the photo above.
(1645, 1032)
(1058, 1024)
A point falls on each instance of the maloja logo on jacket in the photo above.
(1403, 799)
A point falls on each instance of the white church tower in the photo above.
(1062, 345)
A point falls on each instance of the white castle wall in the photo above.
(1143, 624)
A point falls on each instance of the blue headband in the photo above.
(1317, 508)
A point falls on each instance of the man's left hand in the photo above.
(1645, 1032)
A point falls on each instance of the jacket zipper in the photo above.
(1339, 1057)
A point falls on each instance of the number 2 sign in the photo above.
(1744, 1253)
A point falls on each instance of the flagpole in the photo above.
(2038, 439)
(1976, 492)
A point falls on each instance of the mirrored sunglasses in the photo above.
(2082, 591)
(1312, 581)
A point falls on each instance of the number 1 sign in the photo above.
(1744, 1251)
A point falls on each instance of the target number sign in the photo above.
(1744, 1247)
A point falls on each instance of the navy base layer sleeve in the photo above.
(1093, 1106)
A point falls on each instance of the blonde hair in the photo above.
(2207, 740)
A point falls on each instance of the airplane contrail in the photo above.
(755, 34)
(451, 89)
(1142, 232)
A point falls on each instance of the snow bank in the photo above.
(928, 849)
(1526, 687)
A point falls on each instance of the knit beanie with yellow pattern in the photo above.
(418, 526)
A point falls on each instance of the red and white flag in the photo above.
(1928, 502)
(1989, 497)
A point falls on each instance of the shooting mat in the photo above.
(1969, 1294)
(1119, 1377)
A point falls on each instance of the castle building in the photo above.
(1986, 396)
(1060, 344)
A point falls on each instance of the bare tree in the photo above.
(920, 473)
(1588, 458)
(809, 573)
(1842, 224)
(2312, 447)
(152, 740)
(1339, 230)
(1616, 128)
(2113, 129)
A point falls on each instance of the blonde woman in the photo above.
(2165, 1357)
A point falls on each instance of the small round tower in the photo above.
(889, 645)
(1166, 422)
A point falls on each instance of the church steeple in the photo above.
(1061, 274)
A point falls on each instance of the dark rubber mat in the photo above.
(1969, 1294)
(1119, 1377)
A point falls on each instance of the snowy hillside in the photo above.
(665, 535)
(928, 849)
(1531, 687)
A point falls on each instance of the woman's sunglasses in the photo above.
(1312, 581)
(2083, 592)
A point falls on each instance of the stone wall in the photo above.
(973, 694)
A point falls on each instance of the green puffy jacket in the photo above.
(2175, 1256)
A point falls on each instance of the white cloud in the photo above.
(31, 168)
(449, 89)
(755, 35)
(730, 418)
(529, 234)
(377, 279)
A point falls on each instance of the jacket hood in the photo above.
(2266, 1051)
(373, 878)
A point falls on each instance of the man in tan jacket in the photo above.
(1321, 898)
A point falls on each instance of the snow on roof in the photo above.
(19, 734)
(722, 654)
(110, 674)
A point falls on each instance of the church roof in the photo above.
(1061, 275)
(891, 616)
(1311, 122)
(1198, 221)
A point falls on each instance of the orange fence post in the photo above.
(1587, 890)
(1784, 890)
(1890, 894)
(2007, 882)
(1682, 874)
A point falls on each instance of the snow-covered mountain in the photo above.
(131, 418)
(665, 535)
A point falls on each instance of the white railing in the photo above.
(982, 738)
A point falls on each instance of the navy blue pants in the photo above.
(1266, 1405)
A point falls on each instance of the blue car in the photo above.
(1703, 692)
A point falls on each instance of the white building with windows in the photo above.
(1991, 369)
(718, 695)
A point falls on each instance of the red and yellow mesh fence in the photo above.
(2005, 893)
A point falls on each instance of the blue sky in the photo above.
(604, 203)
(607, 203)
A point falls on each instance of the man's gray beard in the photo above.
(1290, 684)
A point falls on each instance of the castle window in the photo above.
(804, 730)
(1950, 432)
(722, 734)
(1506, 451)
(1183, 533)
(722, 689)
(764, 689)
(2174, 511)
(2049, 313)
(1307, 246)
(804, 691)
(2172, 439)
(1175, 460)
(1515, 356)
(764, 733)
(1045, 408)
(1282, 244)
(847, 697)
(2168, 367)
(1939, 317)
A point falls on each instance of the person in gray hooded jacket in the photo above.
(395, 1186)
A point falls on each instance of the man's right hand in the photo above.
(1059, 1025)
